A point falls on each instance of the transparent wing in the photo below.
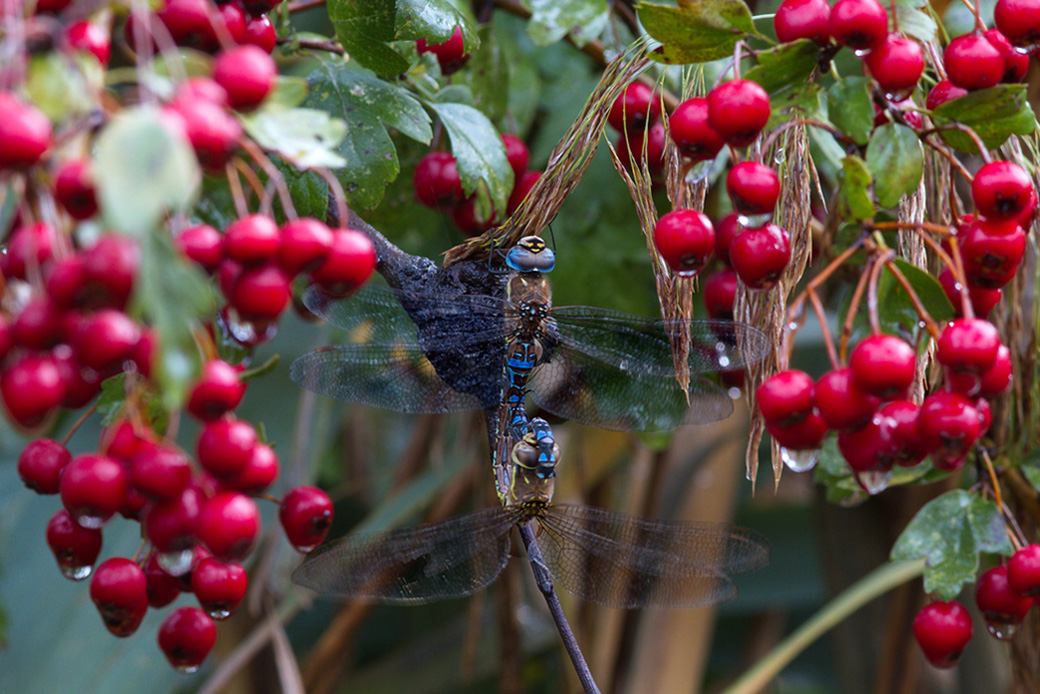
(582, 388)
(622, 561)
(443, 560)
(639, 343)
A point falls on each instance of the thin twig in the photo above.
(79, 422)
(275, 176)
(929, 323)
(338, 194)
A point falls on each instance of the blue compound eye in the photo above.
(531, 255)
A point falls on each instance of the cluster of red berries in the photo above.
(204, 25)
(1004, 594)
(255, 260)
(437, 185)
(198, 518)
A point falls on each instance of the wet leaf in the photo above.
(787, 65)
(896, 162)
(487, 78)
(950, 532)
(995, 114)
(307, 137)
(855, 181)
(896, 310)
(433, 20)
(851, 109)
(552, 20)
(696, 32)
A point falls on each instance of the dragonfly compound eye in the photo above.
(531, 255)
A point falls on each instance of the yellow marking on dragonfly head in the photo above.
(535, 244)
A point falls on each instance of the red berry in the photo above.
(218, 391)
(186, 637)
(160, 473)
(252, 240)
(941, 93)
(229, 525)
(997, 378)
(259, 31)
(304, 245)
(692, 133)
(466, 218)
(521, 189)
(259, 473)
(982, 300)
(451, 54)
(40, 464)
(906, 111)
(635, 107)
(172, 526)
(871, 447)
(75, 548)
(351, 261)
(306, 515)
(1016, 63)
(786, 398)
(189, 23)
(972, 62)
(720, 294)
(74, 189)
(162, 587)
(803, 19)
(901, 416)
(516, 154)
(991, 256)
(1001, 190)
(81, 385)
(233, 18)
(858, 24)
(806, 435)
(39, 325)
(105, 339)
(968, 344)
(1019, 21)
(25, 132)
(942, 630)
(144, 352)
(212, 131)
(91, 38)
(225, 446)
(122, 441)
(261, 293)
(738, 110)
(120, 592)
(685, 239)
(883, 365)
(841, 402)
(1023, 571)
(948, 427)
(636, 146)
(203, 244)
(896, 64)
(32, 388)
(727, 229)
(760, 256)
(1001, 607)
(247, 73)
(436, 180)
(753, 188)
(202, 89)
(29, 248)
(111, 267)
(92, 489)
(219, 587)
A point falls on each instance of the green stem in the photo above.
(877, 582)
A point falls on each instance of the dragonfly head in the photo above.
(537, 451)
(531, 254)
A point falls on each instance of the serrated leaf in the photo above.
(995, 114)
(896, 162)
(786, 65)
(113, 397)
(950, 532)
(552, 20)
(854, 197)
(148, 171)
(698, 31)
(369, 106)
(307, 137)
(916, 23)
(479, 153)
(896, 310)
(851, 109)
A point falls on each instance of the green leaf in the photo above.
(148, 171)
(479, 152)
(949, 532)
(995, 114)
(896, 310)
(289, 92)
(787, 65)
(113, 397)
(307, 137)
(433, 20)
(798, 100)
(916, 23)
(173, 295)
(896, 162)
(552, 20)
(486, 77)
(61, 91)
(855, 180)
(369, 106)
(697, 32)
(1030, 467)
(851, 109)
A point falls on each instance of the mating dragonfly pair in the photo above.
(414, 352)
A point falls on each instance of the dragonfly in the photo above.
(601, 556)
(421, 353)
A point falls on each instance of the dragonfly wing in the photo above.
(643, 343)
(579, 387)
(372, 314)
(389, 376)
(623, 561)
(450, 559)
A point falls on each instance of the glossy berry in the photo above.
(451, 54)
(753, 188)
(189, 23)
(1019, 21)
(304, 244)
(203, 244)
(32, 388)
(972, 62)
(120, 593)
(1001, 607)
(39, 325)
(225, 445)
(162, 588)
(160, 473)
(991, 252)
(306, 515)
(259, 473)
(685, 239)
(122, 441)
(761, 255)
(89, 38)
(105, 339)
(186, 637)
(719, 293)
(691, 132)
(858, 24)
(982, 300)
(948, 426)
(1016, 63)
(172, 526)
(75, 548)
(218, 391)
(247, 73)
(901, 417)
(803, 19)
(1023, 571)
(252, 240)
(806, 435)
(968, 344)
(92, 489)
(727, 229)
(211, 130)
(841, 402)
(110, 267)
(941, 93)
(29, 248)
(74, 189)
(896, 64)
(351, 261)
(869, 447)
(786, 398)
(219, 587)
(437, 181)
(522, 187)
(229, 525)
(259, 31)
(997, 378)
(738, 110)
(25, 132)
(1001, 190)
(634, 108)
(261, 293)
(942, 630)
(40, 465)
(883, 366)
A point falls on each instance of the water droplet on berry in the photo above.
(861, 52)
(754, 221)
(188, 669)
(219, 614)
(874, 481)
(176, 563)
(1004, 631)
(800, 461)
(699, 171)
(76, 573)
(91, 522)
(245, 332)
